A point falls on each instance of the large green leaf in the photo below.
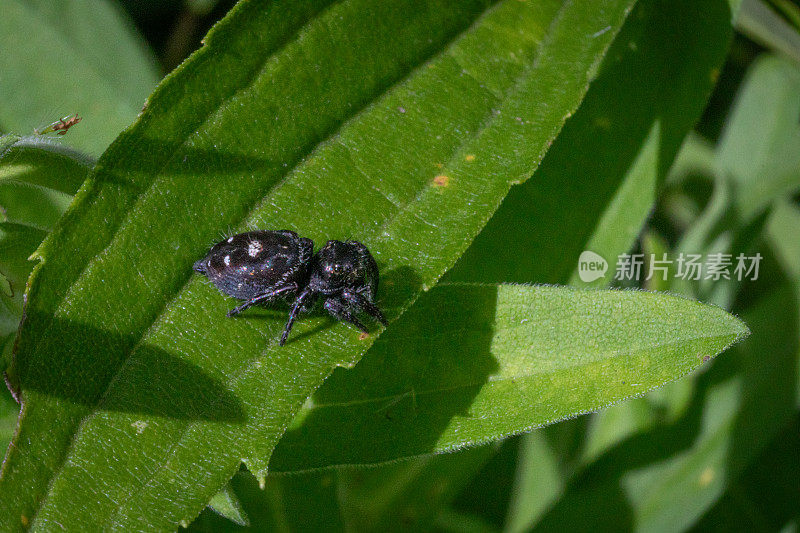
(402, 125)
(515, 357)
(67, 57)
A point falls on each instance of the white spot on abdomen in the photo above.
(226, 260)
(254, 248)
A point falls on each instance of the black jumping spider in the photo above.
(262, 266)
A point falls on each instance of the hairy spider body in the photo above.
(258, 266)
(262, 266)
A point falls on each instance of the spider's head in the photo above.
(341, 265)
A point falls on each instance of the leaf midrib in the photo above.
(614, 354)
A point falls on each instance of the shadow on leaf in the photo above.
(401, 397)
(149, 381)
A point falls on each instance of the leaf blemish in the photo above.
(469, 158)
(441, 180)
(603, 123)
(706, 477)
(140, 426)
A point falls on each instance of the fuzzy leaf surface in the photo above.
(514, 358)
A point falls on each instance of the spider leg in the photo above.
(262, 297)
(366, 304)
(296, 308)
(341, 311)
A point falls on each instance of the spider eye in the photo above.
(334, 268)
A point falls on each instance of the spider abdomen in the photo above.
(252, 263)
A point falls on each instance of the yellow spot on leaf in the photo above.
(706, 477)
(714, 75)
(441, 180)
(469, 157)
(363, 336)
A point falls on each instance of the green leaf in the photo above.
(765, 497)
(760, 22)
(67, 57)
(226, 503)
(265, 125)
(756, 163)
(37, 180)
(536, 355)
(782, 230)
(538, 482)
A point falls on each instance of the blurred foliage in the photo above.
(715, 450)
(72, 58)
(38, 177)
